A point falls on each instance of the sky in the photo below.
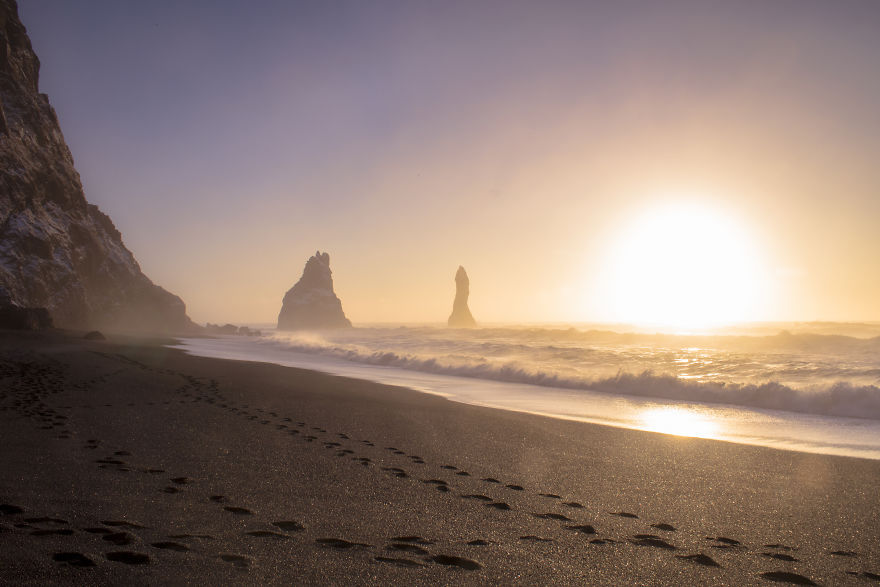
(681, 161)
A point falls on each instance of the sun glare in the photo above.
(678, 421)
(685, 267)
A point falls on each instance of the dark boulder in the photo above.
(14, 317)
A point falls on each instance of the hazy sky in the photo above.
(527, 141)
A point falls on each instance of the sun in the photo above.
(683, 266)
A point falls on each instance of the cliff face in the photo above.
(57, 251)
(312, 303)
(461, 315)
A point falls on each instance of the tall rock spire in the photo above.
(312, 303)
(461, 315)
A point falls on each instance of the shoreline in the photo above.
(725, 422)
(232, 429)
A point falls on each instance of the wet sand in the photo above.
(124, 462)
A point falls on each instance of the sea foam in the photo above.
(809, 373)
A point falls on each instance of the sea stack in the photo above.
(62, 260)
(312, 303)
(461, 315)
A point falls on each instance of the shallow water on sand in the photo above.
(807, 392)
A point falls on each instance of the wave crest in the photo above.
(841, 398)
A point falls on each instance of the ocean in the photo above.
(811, 387)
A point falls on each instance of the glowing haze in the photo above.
(677, 163)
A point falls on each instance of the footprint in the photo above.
(400, 562)
(238, 511)
(75, 559)
(456, 561)
(241, 562)
(396, 471)
(583, 529)
(651, 540)
(52, 532)
(412, 539)
(725, 542)
(477, 496)
(780, 556)
(786, 577)
(128, 557)
(119, 538)
(122, 524)
(700, 559)
(728, 542)
(407, 548)
(844, 553)
(531, 538)
(289, 526)
(98, 530)
(45, 520)
(267, 534)
(553, 516)
(176, 546)
(341, 544)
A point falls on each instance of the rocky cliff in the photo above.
(312, 303)
(57, 251)
(461, 315)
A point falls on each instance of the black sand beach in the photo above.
(124, 462)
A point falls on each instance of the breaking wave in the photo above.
(554, 364)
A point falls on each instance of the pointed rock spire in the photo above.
(461, 315)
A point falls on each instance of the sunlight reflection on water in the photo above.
(679, 421)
